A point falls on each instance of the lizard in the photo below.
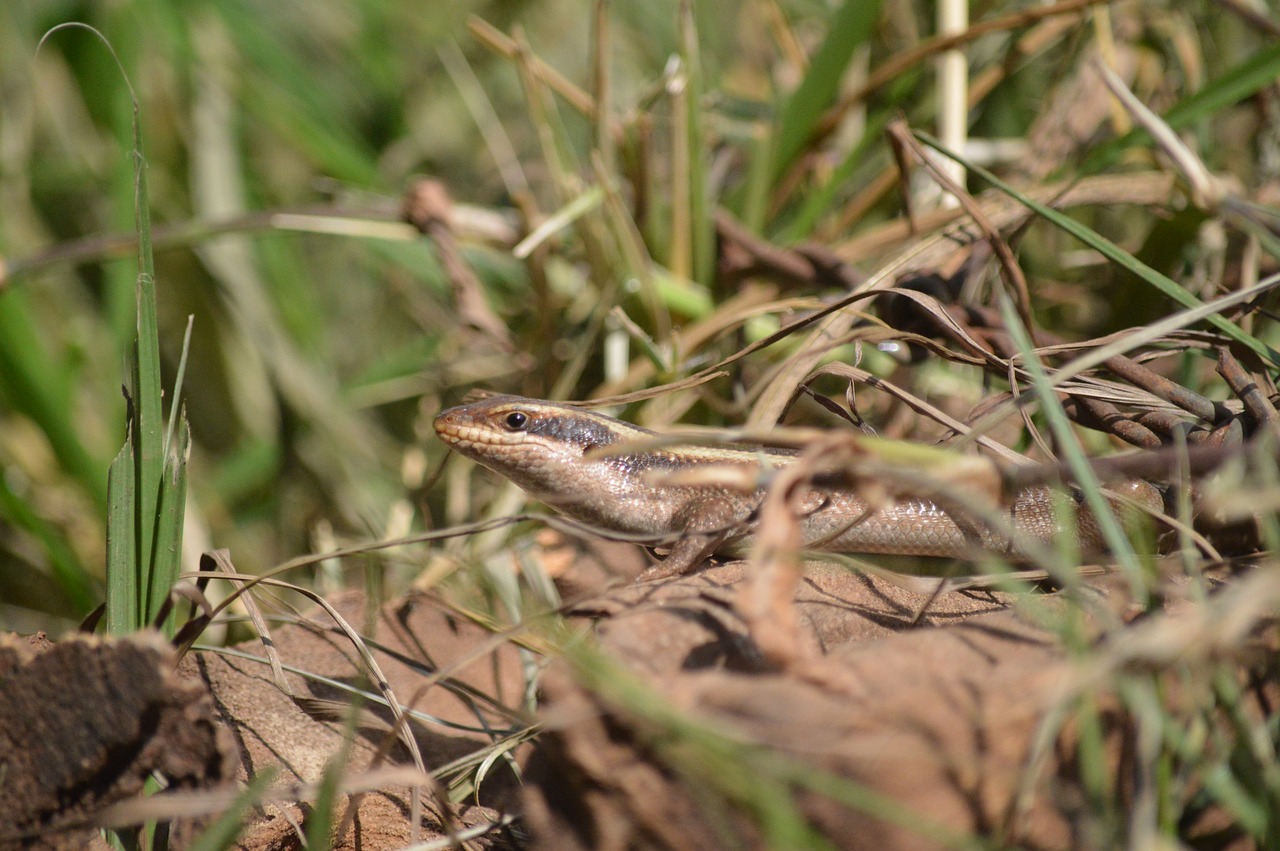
(622, 478)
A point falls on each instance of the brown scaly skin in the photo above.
(609, 474)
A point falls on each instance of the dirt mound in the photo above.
(939, 723)
(85, 722)
(897, 720)
(893, 736)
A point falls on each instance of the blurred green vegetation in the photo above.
(313, 355)
(323, 345)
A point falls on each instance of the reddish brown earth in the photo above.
(85, 722)
(415, 639)
(936, 720)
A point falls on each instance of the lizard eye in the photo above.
(517, 420)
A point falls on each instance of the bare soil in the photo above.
(892, 730)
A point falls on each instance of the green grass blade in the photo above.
(135, 479)
(222, 834)
(321, 822)
(31, 382)
(166, 558)
(1115, 254)
(175, 405)
(850, 28)
(1068, 443)
(148, 426)
(753, 204)
(122, 550)
(77, 586)
(701, 226)
(147, 432)
(287, 100)
(167, 554)
(821, 201)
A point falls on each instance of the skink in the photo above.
(610, 474)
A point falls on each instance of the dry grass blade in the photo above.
(399, 730)
(1219, 629)
(218, 564)
(1153, 332)
(862, 376)
(1133, 339)
(496, 40)
(224, 569)
(928, 48)
(333, 710)
(375, 674)
(428, 207)
(176, 805)
(475, 832)
(945, 233)
(1010, 271)
(486, 117)
(766, 600)
(1207, 191)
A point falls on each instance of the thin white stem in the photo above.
(953, 90)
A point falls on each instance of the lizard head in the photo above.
(538, 445)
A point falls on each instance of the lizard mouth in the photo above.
(462, 435)
(453, 433)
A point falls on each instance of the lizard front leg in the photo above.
(705, 526)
